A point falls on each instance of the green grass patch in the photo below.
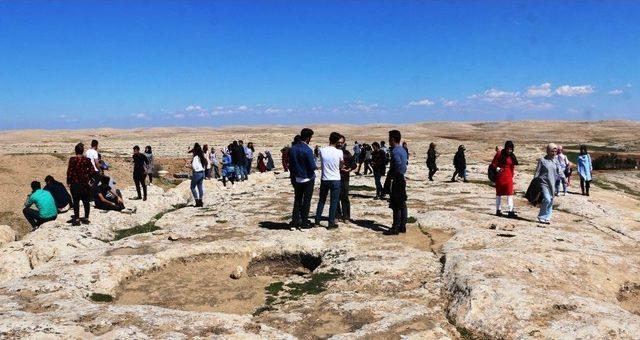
(572, 156)
(412, 219)
(315, 285)
(98, 297)
(274, 288)
(147, 227)
(362, 188)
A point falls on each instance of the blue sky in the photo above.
(78, 64)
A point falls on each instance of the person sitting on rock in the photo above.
(47, 210)
(59, 192)
(105, 199)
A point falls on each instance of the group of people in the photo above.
(336, 164)
(87, 180)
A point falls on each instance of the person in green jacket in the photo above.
(47, 210)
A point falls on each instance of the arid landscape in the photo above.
(460, 272)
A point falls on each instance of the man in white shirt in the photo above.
(332, 160)
(92, 154)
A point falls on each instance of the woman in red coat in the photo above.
(505, 164)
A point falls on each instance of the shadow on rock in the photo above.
(369, 224)
(274, 225)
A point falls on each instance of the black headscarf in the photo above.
(503, 159)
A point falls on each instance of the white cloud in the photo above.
(272, 110)
(616, 92)
(423, 102)
(363, 107)
(140, 115)
(495, 95)
(570, 91)
(509, 100)
(543, 90)
(449, 103)
(62, 116)
(179, 115)
(242, 108)
(194, 108)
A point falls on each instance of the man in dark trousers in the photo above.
(302, 168)
(395, 184)
(238, 159)
(379, 164)
(350, 164)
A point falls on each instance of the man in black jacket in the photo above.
(59, 192)
(238, 159)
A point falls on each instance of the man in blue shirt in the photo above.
(302, 168)
(47, 210)
(395, 184)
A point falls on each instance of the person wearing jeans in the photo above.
(547, 172)
(332, 160)
(302, 170)
(198, 164)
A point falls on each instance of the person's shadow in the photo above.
(274, 225)
(369, 224)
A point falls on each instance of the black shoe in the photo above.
(391, 231)
(498, 213)
(332, 226)
(75, 223)
(136, 198)
(85, 221)
(430, 179)
(145, 198)
(512, 214)
(402, 230)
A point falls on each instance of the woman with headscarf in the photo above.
(149, 166)
(270, 164)
(563, 165)
(504, 162)
(460, 163)
(228, 168)
(284, 152)
(585, 167)
(198, 164)
(431, 160)
(261, 166)
(547, 172)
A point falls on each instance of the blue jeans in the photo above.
(562, 181)
(377, 175)
(546, 207)
(325, 188)
(239, 172)
(249, 160)
(196, 181)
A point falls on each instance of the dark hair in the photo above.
(306, 134)
(395, 136)
(48, 179)
(94, 143)
(583, 149)
(79, 149)
(240, 141)
(503, 154)
(148, 147)
(35, 185)
(205, 148)
(104, 181)
(334, 137)
(296, 139)
(197, 151)
(432, 146)
(250, 146)
(381, 142)
(136, 148)
(375, 145)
